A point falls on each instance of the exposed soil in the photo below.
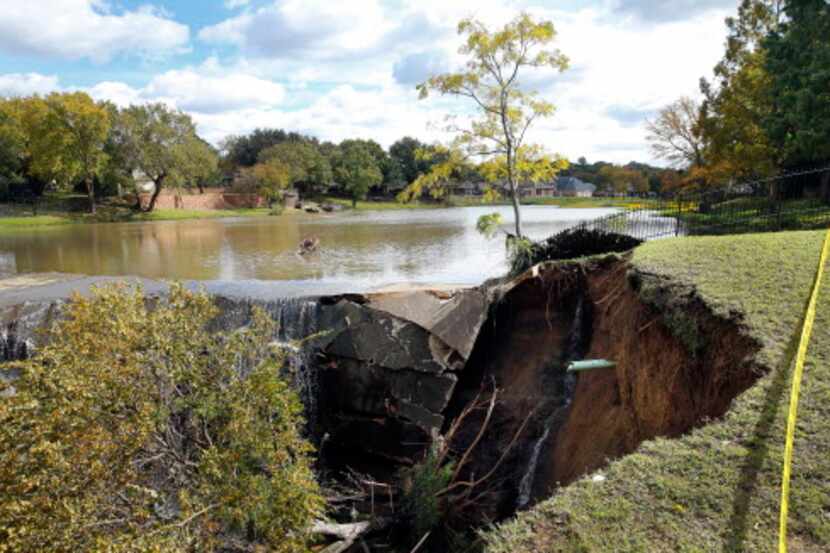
(677, 366)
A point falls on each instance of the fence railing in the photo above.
(793, 201)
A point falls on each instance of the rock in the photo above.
(455, 317)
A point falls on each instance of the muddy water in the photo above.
(359, 250)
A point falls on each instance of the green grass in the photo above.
(717, 488)
(182, 214)
(118, 214)
(33, 221)
(367, 205)
(473, 201)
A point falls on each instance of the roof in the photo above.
(574, 184)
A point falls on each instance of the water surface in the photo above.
(359, 250)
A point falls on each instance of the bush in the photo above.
(135, 429)
(421, 505)
(568, 244)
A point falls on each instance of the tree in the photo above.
(738, 100)
(198, 163)
(797, 61)
(307, 168)
(271, 177)
(12, 151)
(490, 80)
(357, 169)
(243, 151)
(404, 151)
(137, 429)
(624, 180)
(676, 135)
(73, 132)
(163, 145)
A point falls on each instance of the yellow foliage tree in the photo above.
(490, 80)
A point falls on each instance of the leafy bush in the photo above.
(568, 244)
(421, 504)
(135, 429)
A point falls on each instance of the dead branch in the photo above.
(470, 484)
(466, 456)
(420, 542)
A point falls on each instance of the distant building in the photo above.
(538, 189)
(574, 187)
(469, 188)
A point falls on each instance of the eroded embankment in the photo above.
(677, 365)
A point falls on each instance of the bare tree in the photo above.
(676, 134)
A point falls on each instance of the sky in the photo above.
(340, 69)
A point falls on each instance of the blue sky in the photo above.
(339, 69)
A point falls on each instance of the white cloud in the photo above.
(319, 68)
(316, 28)
(75, 29)
(202, 90)
(233, 4)
(193, 91)
(17, 84)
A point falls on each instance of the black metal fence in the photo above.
(793, 201)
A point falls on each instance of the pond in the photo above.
(358, 250)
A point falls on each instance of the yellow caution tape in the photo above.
(798, 373)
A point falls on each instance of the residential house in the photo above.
(574, 187)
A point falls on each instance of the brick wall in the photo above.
(211, 199)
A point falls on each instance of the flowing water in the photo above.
(359, 250)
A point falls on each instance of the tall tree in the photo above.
(244, 151)
(738, 100)
(71, 140)
(798, 63)
(12, 150)
(308, 168)
(161, 142)
(491, 81)
(357, 169)
(676, 134)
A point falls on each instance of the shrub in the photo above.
(421, 505)
(135, 429)
(568, 244)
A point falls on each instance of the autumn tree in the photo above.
(505, 110)
(356, 169)
(272, 177)
(624, 180)
(738, 100)
(676, 134)
(163, 144)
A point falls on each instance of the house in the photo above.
(538, 189)
(468, 188)
(574, 187)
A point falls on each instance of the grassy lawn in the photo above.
(718, 487)
(367, 205)
(473, 201)
(110, 214)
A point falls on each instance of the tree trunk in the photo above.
(514, 194)
(354, 202)
(156, 191)
(90, 192)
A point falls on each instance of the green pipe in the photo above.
(590, 364)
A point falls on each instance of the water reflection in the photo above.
(366, 249)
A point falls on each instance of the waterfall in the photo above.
(578, 342)
(19, 327)
(297, 320)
